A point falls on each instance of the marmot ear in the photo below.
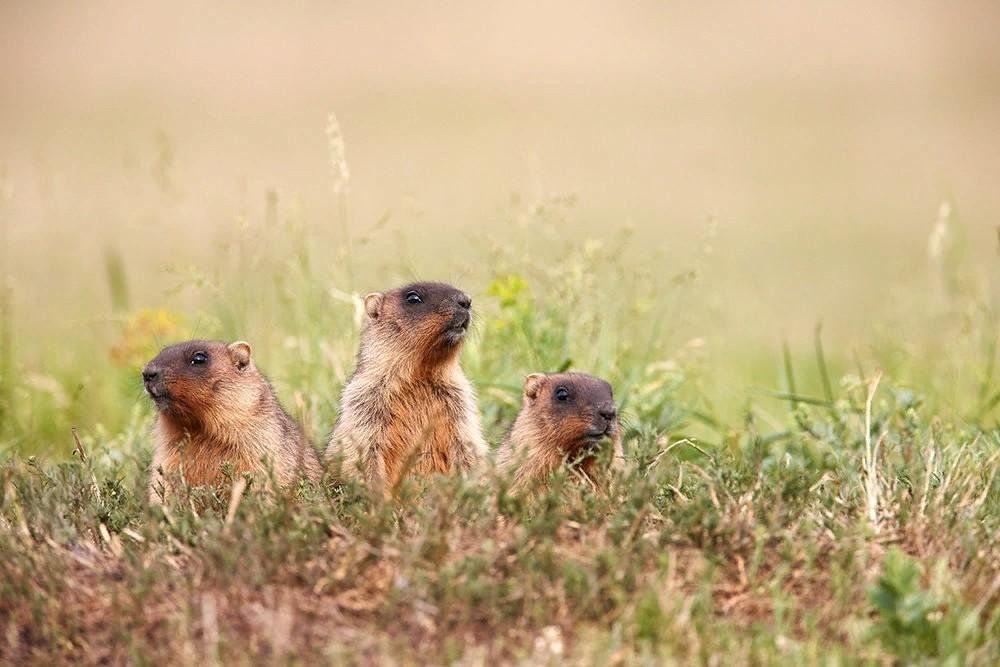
(532, 385)
(373, 304)
(240, 353)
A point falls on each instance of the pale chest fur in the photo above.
(427, 427)
(200, 459)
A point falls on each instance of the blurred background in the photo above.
(713, 179)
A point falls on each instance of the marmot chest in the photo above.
(425, 426)
(201, 461)
(200, 457)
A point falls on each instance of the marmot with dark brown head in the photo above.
(216, 407)
(565, 417)
(408, 406)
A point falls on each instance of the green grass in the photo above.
(741, 232)
(792, 521)
(754, 553)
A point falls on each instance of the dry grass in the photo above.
(661, 196)
(757, 558)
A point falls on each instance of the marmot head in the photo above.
(199, 380)
(430, 319)
(571, 410)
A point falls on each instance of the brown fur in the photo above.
(222, 410)
(408, 406)
(549, 432)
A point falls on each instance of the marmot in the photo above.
(563, 417)
(215, 406)
(408, 406)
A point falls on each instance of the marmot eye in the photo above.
(562, 394)
(199, 358)
(413, 297)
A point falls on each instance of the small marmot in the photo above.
(216, 407)
(564, 417)
(408, 406)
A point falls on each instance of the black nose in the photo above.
(608, 413)
(464, 301)
(150, 374)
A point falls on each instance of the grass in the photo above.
(734, 216)
(756, 553)
(820, 497)
(858, 523)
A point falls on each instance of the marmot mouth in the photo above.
(159, 396)
(596, 435)
(458, 327)
(454, 335)
(590, 443)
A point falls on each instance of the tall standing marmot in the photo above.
(215, 407)
(408, 406)
(564, 417)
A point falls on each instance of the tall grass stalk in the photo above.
(6, 313)
(870, 459)
(6, 353)
(115, 273)
(340, 174)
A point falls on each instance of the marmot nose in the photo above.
(464, 301)
(150, 374)
(608, 413)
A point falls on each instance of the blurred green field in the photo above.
(736, 196)
(738, 216)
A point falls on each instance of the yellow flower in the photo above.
(508, 290)
(143, 333)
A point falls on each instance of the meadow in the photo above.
(782, 254)
(836, 515)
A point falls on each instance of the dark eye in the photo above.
(413, 297)
(199, 358)
(562, 394)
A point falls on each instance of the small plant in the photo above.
(916, 621)
(905, 608)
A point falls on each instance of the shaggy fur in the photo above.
(408, 406)
(564, 417)
(216, 411)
